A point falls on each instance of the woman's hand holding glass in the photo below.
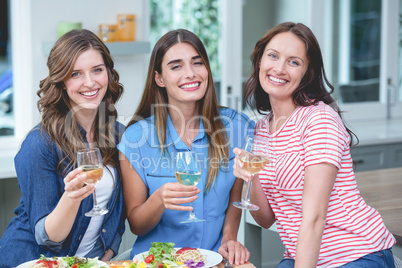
(173, 195)
(238, 169)
(75, 187)
(90, 160)
(249, 162)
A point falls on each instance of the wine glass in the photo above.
(254, 160)
(90, 160)
(188, 172)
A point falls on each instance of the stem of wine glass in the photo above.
(192, 215)
(95, 201)
(247, 199)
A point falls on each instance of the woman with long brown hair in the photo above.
(308, 186)
(179, 112)
(77, 101)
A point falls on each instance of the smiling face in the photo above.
(184, 74)
(89, 81)
(283, 66)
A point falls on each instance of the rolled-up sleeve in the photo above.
(116, 243)
(43, 239)
(38, 179)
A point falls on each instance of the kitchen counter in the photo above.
(377, 132)
(369, 132)
(381, 189)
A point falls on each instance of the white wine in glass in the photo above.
(90, 160)
(94, 173)
(254, 160)
(188, 172)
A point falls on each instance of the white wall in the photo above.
(45, 15)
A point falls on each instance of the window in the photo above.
(6, 73)
(366, 72)
(360, 51)
(357, 39)
(200, 17)
(400, 52)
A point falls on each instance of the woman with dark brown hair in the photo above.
(179, 112)
(77, 101)
(308, 186)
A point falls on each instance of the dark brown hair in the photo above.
(208, 105)
(313, 86)
(58, 118)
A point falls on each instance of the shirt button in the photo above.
(103, 230)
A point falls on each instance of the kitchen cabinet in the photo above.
(370, 157)
(395, 155)
(115, 48)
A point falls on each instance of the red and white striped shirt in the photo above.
(312, 135)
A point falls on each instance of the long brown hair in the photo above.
(313, 86)
(208, 105)
(58, 118)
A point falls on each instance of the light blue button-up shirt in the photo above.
(141, 147)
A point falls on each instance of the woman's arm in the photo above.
(50, 215)
(265, 217)
(143, 212)
(108, 255)
(232, 250)
(318, 183)
(59, 222)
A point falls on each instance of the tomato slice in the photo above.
(180, 251)
(149, 259)
(48, 264)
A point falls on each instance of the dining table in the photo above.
(220, 265)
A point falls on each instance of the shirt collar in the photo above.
(83, 134)
(172, 138)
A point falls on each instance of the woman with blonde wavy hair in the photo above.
(77, 101)
(178, 112)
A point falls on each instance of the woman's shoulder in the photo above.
(37, 136)
(119, 127)
(36, 142)
(228, 114)
(140, 128)
(262, 121)
(143, 123)
(319, 114)
(320, 109)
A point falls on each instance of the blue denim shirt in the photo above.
(140, 145)
(41, 186)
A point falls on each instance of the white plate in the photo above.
(28, 264)
(212, 259)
